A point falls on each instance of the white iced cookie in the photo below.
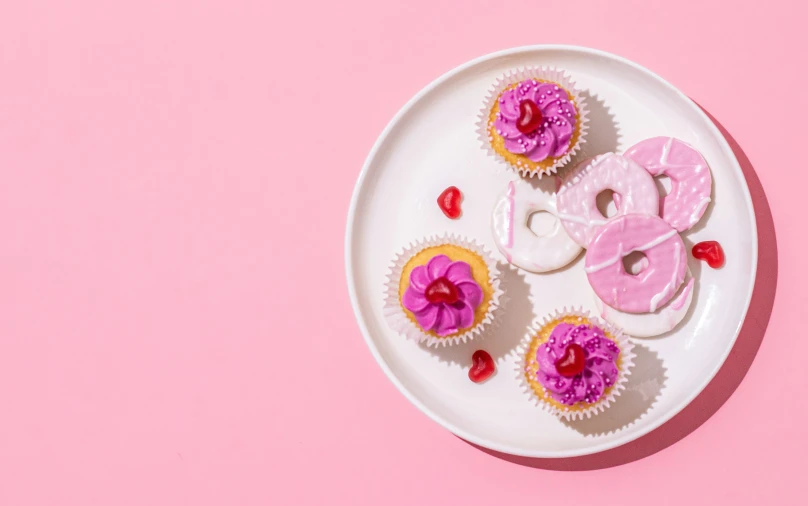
(520, 245)
(632, 185)
(660, 321)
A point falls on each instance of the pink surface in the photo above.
(170, 167)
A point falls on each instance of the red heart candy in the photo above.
(573, 361)
(449, 202)
(710, 251)
(482, 366)
(442, 290)
(529, 116)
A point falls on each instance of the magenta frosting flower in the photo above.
(552, 138)
(599, 373)
(453, 295)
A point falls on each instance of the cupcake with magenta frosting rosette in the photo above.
(442, 290)
(534, 120)
(573, 365)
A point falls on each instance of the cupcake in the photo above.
(443, 290)
(534, 119)
(575, 366)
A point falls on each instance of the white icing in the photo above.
(607, 263)
(620, 254)
(514, 238)
(665, 163)
(594, 222)
(699, 211)
(577, 204)
(658, 240)
(666, 151)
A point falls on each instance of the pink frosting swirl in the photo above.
(599, 373)
(553, 136)
(443, 318)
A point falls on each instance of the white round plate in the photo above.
(431, 144)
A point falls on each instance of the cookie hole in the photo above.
(542, 223)
(635, 262)
(605, 203)
(663, 184)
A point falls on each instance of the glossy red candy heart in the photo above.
(449, 202)
(482, 366)
(710, 251)
(573, 361)
(529, 116)
(442, 290)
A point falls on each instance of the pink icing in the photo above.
(664, 319)
(601, 364)
(680, 301)
(691, 181)
(652, 287)
(443, 318)
(510, 194)
(552, 138)
(633, 188)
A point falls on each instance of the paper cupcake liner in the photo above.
(396, 316)
(545, 74)
(626, 363)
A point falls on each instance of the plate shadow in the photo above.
(602, 121)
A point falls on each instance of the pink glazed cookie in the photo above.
(576, 200)
(654, 285)
(691, 182)
(664, 319)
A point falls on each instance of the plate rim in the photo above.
(350, 278)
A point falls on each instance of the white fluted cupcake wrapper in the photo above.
(545, 74)
(396, 316)
(626, 363)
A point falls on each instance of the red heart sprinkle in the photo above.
(442, 290)
(482, 366)
(529, 116)
(710, 251)
(449, 202)
(573, 361)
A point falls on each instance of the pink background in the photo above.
(174, 319)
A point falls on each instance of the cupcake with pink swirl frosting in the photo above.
(444, 290)
(533, 119)
(575, 366)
